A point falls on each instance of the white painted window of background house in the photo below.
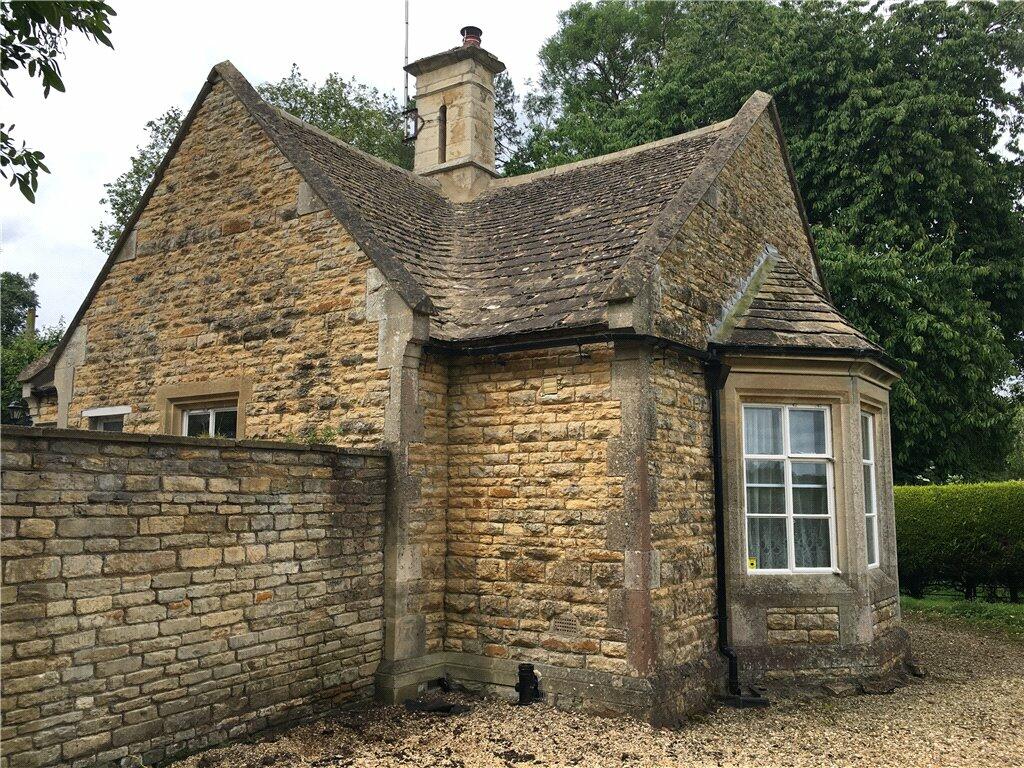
(788, 489)
(210, 422)
(867, 455)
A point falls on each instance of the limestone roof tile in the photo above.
(788, 311)
(530, 254)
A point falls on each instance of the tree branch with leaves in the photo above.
(33, 38)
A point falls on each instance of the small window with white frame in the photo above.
(867, 454)
(788, 485)
(107, 418)
(107, 423)
(210, 421)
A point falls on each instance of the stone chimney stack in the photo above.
(455, 105)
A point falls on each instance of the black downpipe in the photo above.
(715, 374)
(528, 686)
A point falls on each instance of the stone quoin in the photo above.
(615, 394)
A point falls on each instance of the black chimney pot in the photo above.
(471, 36)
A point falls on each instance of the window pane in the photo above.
(199, 424)
(224, 423)
(764, 472)
(809, 473)
(869, 489)
(870, 522)
(110, 424)
(810, 501)
(762, 430)
(806, 431)
(865, 437)
(811, 542)
(766, 501)
(766, 542)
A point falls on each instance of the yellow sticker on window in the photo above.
(752, 563)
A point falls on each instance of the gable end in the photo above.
(637, 273)
(381, 256)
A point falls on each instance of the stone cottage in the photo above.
(632, 440)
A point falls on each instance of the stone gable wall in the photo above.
(164, 594)
(707, 266)
(225, 279)
(530, 498)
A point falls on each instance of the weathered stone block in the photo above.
(36, 529)
(201, 557)
(92, 527)
(86, 745)
(186, 483)
(82, 565)
(138, 562)
(31, 569)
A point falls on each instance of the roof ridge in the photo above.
(732, 311)
(512, 181)
(427, 183)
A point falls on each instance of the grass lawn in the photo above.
(1007, 617)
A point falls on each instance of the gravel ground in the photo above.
(969, 711)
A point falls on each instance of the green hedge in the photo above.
(968, 536)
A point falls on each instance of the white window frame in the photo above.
(870, 494)
(187, 411)
(96, 424)
(107, 410)
(788, 457)
(96, 416)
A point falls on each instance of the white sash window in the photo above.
(867, 455)
(788, 489)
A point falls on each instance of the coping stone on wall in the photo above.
(199, 442)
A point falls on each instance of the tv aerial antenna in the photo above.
(410, 116)
(405, 101)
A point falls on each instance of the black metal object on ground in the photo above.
(528, 685)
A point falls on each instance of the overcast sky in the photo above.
(162, 54)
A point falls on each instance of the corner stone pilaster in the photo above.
(401, 335)
(629, 531)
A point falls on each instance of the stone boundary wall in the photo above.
(162, 594)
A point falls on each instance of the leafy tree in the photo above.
(17, 298)
(18, 345)
(33, 39)
(1015, 463)
(124, 192)
(906, 141)
(354, 112)
(508, 133)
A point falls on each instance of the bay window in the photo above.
(787, 457)
(867, 454)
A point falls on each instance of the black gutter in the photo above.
(577, 337)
